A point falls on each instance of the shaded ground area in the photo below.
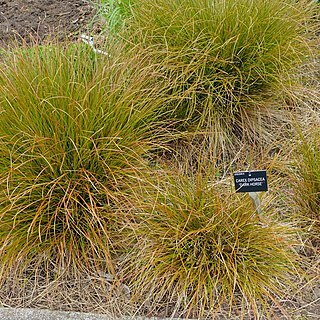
(25, 19)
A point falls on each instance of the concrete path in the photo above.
(35, 314)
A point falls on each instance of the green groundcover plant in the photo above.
(228, 61)
(74, 128)
(199, 247)
(116, 12)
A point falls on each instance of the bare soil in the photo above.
(39, 19)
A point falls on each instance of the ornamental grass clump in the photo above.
(74, 128)
(228, 60)
(200, 247)
(305, 181)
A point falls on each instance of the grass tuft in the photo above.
(305, 181)
(228, 61)
(200, 247)
(74, 128)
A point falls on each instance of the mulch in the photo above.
(24, 20)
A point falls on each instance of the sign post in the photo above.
(251, 182)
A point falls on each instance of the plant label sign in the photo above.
(251, 181)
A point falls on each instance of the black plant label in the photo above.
(250, 181)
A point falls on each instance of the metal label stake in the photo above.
(256, 201)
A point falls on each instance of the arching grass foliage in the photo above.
(74, 128)
(199, 247)
(229, 61)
